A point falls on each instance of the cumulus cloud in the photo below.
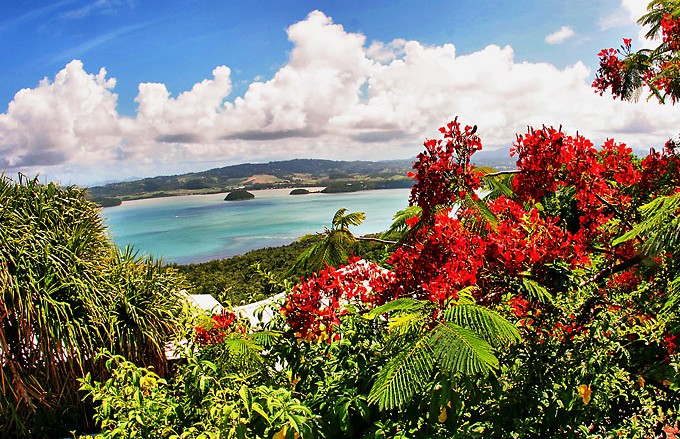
(560, 36)
(71, 118)
(336, 97)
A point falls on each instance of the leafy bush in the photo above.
(66, 292)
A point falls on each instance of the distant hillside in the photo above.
(252, 176)
(337, 176)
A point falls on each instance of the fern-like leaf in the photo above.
(482, 208)
(660, 227)
(404, 304)
(537, 291)
(498, 185)
(399, 229)
(484, 322)
(403, 376)
(343, 221)
(458, 349)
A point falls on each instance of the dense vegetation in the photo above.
(245, 278)
(548, 307)
(66, 293)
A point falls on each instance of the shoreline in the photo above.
(259, 194)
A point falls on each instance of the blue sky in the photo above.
(115, 89)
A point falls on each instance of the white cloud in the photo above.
(71, 118)
(627, 14)
(560, 36)
(334, 98)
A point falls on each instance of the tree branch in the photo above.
(369, 238)
(608, 271)
(496, 174)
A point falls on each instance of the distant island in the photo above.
(334, 176)
(239, 195)
(299, 191)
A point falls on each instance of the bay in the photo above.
(199, 228)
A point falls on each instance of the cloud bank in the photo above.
(336, 97)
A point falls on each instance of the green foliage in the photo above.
(335, 245)
(65, 293)
(458, 342)
(240, 279)
(239, 195)
(213, 395)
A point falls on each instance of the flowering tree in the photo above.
(656, 69)
(560, 245)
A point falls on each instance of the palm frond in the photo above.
(404, 304)
(537, 291)
(673, 295)
(343, 221)
(265, 338)
(333, 248)
(497, 185)
(399, 229)
(486, 217)
(244, 354)
(461, 342)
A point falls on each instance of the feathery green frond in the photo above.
(458, 349)
(660, 225)
(404, 304)
(243, 354)
(399, 229)
(402, 377)
(265, 338)
(673, 295)
(484, 322)
(497, 185)
(343, 221)
(537, 291)
(332, 249)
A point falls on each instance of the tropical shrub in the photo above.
(66, 292)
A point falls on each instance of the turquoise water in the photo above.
(200, 228)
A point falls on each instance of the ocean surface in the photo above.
(199, 228)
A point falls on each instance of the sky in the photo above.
(94, 91)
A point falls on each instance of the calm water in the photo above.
(199, 228)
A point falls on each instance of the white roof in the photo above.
(206, 302)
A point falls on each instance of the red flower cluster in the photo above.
(520, 306)
(670, 342)
(610, 73)
(524, 240)
(443, 172)
(443, 258)
(670, 31)
(314, 306)
(216, 330)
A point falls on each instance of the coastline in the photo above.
(185, 229)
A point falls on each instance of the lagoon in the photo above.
(199, 228)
